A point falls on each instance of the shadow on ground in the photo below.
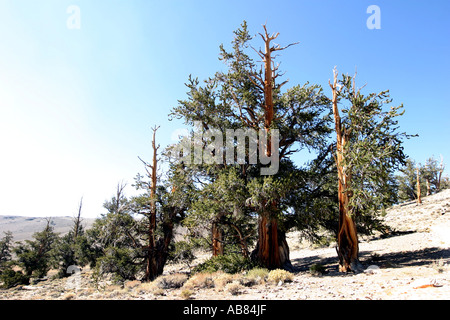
(399, 259)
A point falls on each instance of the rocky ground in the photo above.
(412, 262)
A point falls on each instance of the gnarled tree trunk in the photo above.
(162, 245)
(348, 248)
(152, 265)
(347, 236)
(217, 240)
(157, 258)
(272, 250)
(157, 250)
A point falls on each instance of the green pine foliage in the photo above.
(235, 194)
(112, 238)
(6, 249)
(374, 152)
(35, 256)
(407, 182)
(431, 178)
(229, 263)
(10, 278)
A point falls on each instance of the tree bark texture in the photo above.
(272, 249)
(217, 240)
(347, 236)
(157, 251)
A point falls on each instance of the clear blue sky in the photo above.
(77, 105)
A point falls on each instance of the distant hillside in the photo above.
(23, 228)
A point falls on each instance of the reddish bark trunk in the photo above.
(268, 250)
(272, 250)
(217, 240)
(347, 238)
(156, 252)
(268, 94)
(348, 248)
(158, 257)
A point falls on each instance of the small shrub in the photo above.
(11, 278)
(173, 281)
(234, 288)
(248, 282)
(277, 275)
(132, 284)
(159, 292)
(186, 294)
(69, 296)
(317, 269)
(230, 263)
(200, 281)
(118, 294)
(254, 276)
(113, 287)
(221, 279)
(146, 287)
(87, 292)
(258, 273)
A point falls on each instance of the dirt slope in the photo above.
(411, 263)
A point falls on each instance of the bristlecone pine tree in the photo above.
(368, 151)
(432, 172)
(246, 96)
(130, 248)
(161, 215)
(35, 255)
(407, 181)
